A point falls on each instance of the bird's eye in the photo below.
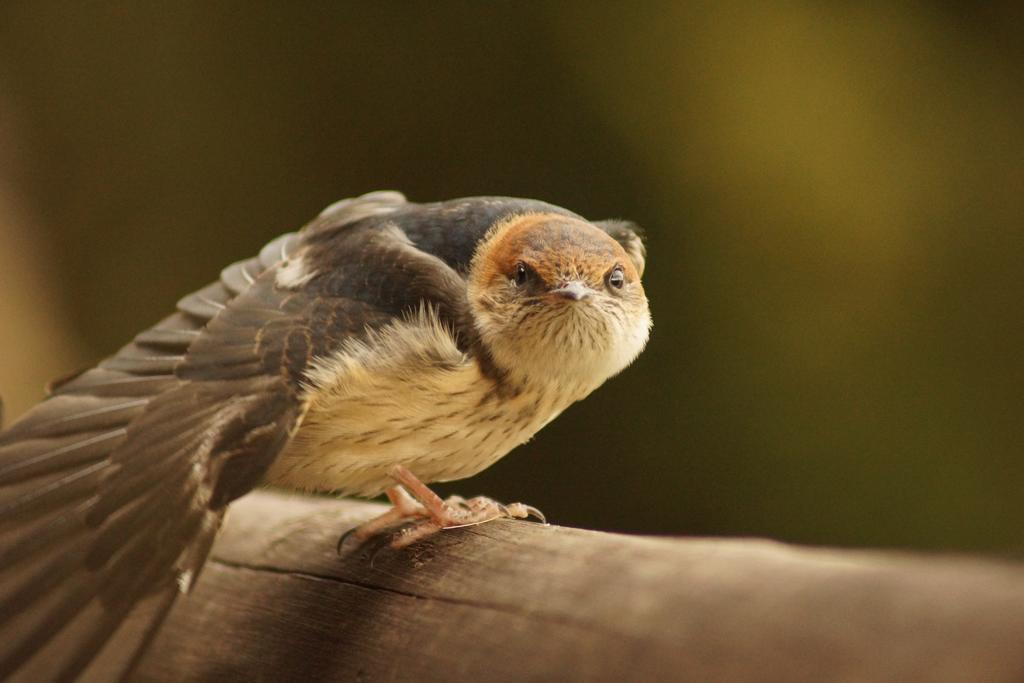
(521, 274)
(616, 277)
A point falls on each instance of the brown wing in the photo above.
(112, 489)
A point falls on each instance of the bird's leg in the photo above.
(452, 513)
(412, 500)
(403, 508)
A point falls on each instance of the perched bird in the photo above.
(385, 345)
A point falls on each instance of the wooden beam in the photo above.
(519, 601)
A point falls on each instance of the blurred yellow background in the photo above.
(833, 195)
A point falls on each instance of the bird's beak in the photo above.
(575, 291)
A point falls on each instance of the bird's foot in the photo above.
(457, 512)
(413, 501)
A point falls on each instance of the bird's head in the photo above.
(556, 299)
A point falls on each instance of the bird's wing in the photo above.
(112, 489)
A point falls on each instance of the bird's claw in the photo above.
(522, 511)
(343, 538)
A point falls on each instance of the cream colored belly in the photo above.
(442, 425)
(407, 395)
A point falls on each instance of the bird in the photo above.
(385, 345)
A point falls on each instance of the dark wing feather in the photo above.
(95, 522)
(112, 489)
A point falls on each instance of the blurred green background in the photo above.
(833, 195)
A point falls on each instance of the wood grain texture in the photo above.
(516, 601)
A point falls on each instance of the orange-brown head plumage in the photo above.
(556, 248)
(556, 298)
